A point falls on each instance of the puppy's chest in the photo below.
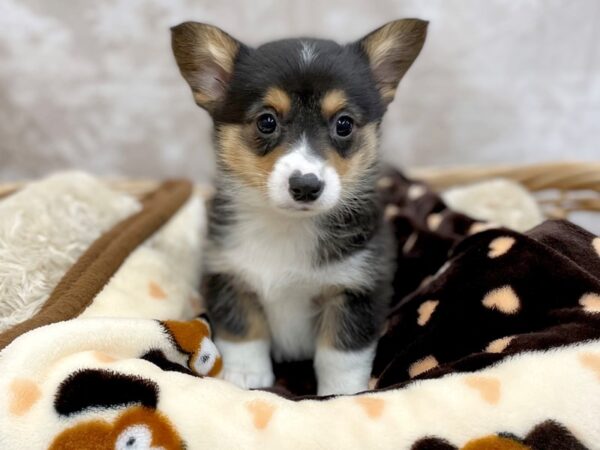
(276, 260)
(267, 254)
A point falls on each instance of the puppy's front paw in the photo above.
(343, 384)
(343, 371)
(246, 364)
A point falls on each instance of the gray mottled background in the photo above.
(93, 84)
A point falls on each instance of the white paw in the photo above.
(343, 372)
(344, 384)
(246, 364)
(248, 380)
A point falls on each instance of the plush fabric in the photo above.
(499, 200)
(44, 229)
(497, 293)
(147, 266)
(92, 272)
(93, 393)
(493, 343)
(160, 279)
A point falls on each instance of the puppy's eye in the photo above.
(266, 123)
(343, 126)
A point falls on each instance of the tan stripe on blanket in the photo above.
(98, 264)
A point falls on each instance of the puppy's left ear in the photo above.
(391, 50)
(206, 57)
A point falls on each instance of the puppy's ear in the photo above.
(391, 50)
(205, 56)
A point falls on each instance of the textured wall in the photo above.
(93, 84)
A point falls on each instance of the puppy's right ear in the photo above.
(205, 56)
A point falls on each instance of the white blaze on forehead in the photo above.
(301, 159)
(308, 52)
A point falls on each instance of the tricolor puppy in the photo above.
(299, 260)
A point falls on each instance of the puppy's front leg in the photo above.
(350, 323)
(241, 332)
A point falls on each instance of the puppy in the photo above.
(298, 258)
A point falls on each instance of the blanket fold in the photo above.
(497, 293)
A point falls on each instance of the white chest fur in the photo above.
(275, 256)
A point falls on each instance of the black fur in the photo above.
(349, 228)
(222, 301)
(228, 302)
(358, 323)
(306, 70)
(278, 64)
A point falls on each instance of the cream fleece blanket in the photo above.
(44, 229)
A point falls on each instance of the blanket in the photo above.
(493, 341)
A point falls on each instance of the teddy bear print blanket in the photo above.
(493, 341)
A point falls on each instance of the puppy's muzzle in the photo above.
(305, 187)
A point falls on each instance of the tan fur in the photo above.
(380, 44)
(254, 170)
(388, 93)
(352, 168)
(332, 102)
(391, 50)
(196, 43)
(221, 47)
(235, 154)
(331, 301)
(257, 327)
(279, 100)
(200, 49)
(201, 99)
(327, 294)
(329, 321)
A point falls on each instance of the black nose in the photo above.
(305, 188)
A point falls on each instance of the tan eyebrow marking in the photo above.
(278, 99)
(235, 153)
(332, 102)
(351, 168)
